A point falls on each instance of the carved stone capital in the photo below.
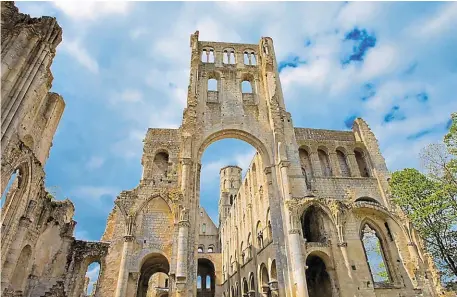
(128, 238)
(186, 161)
(183, 224)
(267, 170)
(284, 164)
(273, 285)
(342, 244)
(295, 231)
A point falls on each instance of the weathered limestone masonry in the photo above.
(299, 224)
(39, 255)
(296, 224)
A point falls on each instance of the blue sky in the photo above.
(123, 67)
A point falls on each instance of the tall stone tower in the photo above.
(230, 181)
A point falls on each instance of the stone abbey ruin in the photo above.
(307, 219)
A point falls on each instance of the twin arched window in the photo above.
(249, 58)
(228, 57)
(208, 56)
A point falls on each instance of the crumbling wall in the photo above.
(28, 108)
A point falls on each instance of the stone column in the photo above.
(353, 166)
(181, 269)
(334, 164)
(274, 288)
(265, 290)
(122, 279)
(186, 164)
(15, 250)
(295, 244)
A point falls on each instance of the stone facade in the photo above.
(298, 224)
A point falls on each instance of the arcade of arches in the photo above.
(311, 217)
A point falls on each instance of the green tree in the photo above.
(432, 213)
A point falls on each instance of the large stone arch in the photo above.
(260, 145)
(83, 254)
(150, 264)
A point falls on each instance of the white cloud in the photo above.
(130, 146)
(88, 10)
(95, 162)
(381, 60)
(93, 193)
(442, 20)
(77, 51)
(137, 33)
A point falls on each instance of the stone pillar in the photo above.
(122, 279)
(274, 288)
(265, 290)
(334, 164)
(353, 166)
(181, 269)
(186, 163)
(295, 244)
(15, 250)
(315, 163)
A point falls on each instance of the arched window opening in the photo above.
(212, 85)
(203, 228)
(166, 283)
(254, 177)
(210, 249)
(199, 282)
(259, 235)
(265, 280)
(246, 58)
(253, 59)
(245, 287)
(208, 282)
(251, 283)
(344, 168)
(374, 253)
(317, 278)
(246, 87)
(367, 199)
(232, 58)
(231, 199)
(11, 187)
(325, 163)
(273, 272)
(206, 269)
(92, 275)
(160, 165)
(313, 226)
(204, 56)
(270, 232)
(225, 57)
(306, 168)
(21, 271)
(211, 56)
(362, 163)
(200, 249)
